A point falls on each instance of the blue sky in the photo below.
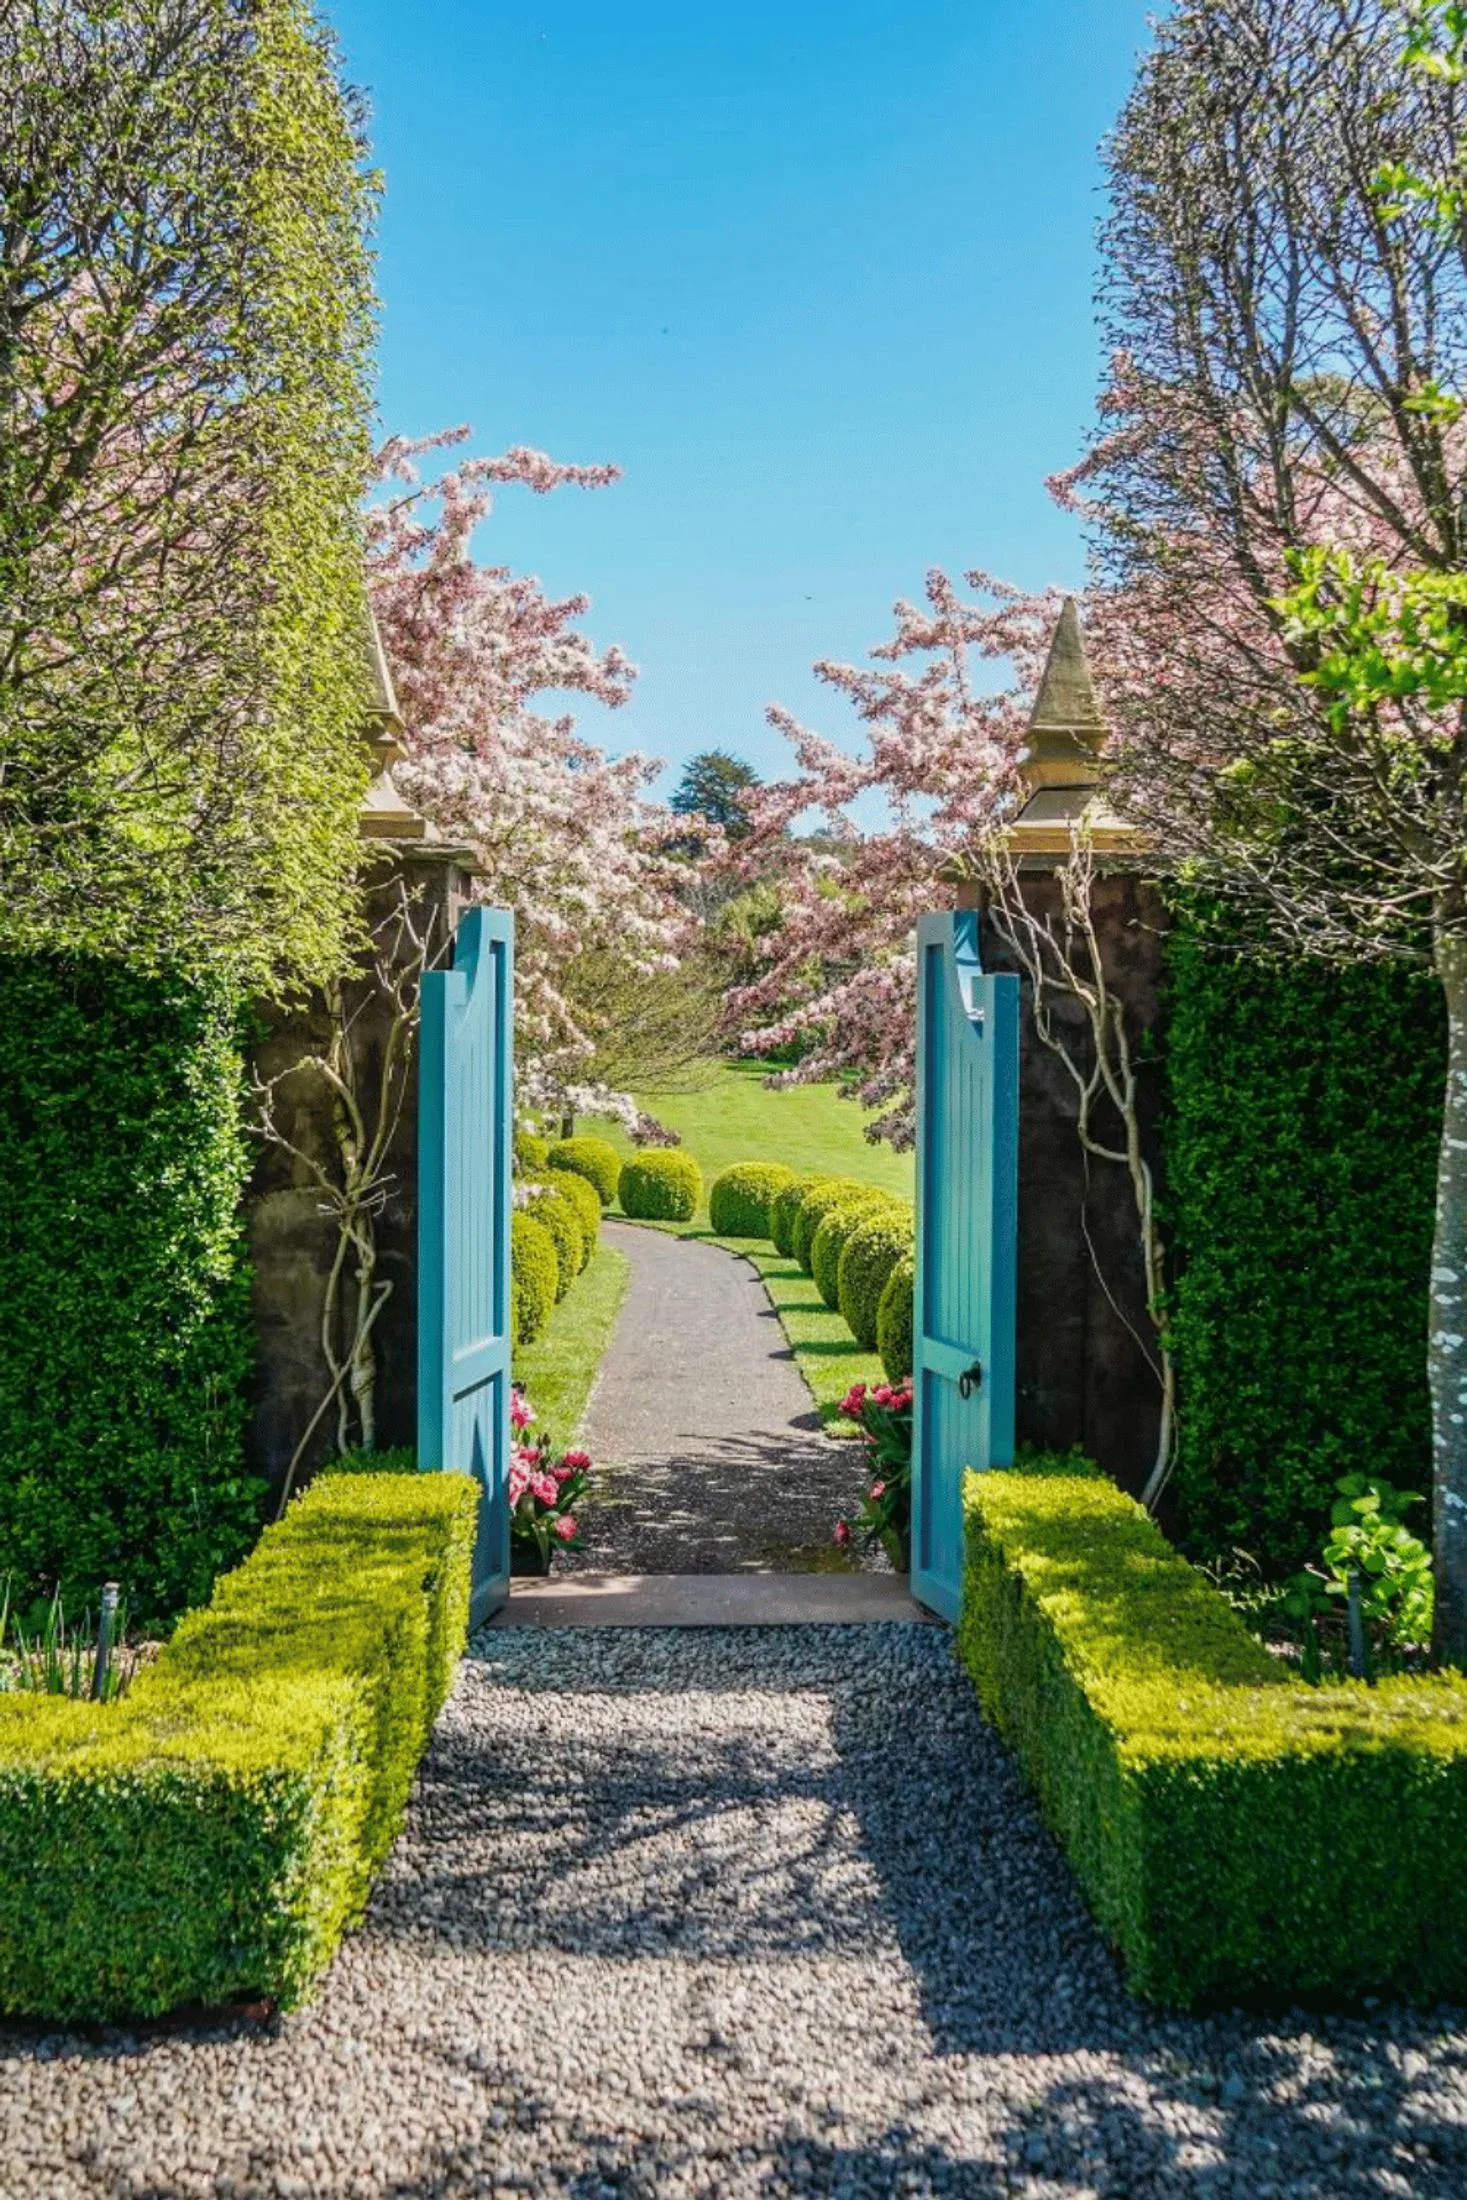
(817, 277)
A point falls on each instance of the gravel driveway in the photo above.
(741, 1914)
(711, 1448)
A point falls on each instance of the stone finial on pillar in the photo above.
(385, 817)
(1061, 766)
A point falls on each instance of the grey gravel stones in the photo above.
(735, 1913)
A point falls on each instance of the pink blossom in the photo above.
(843, 1533)
(578, 1461)
(854, 1400)
(520, 1413)
(545, 1488)
(565, 1527)
(878, 1489)
(519, 1482)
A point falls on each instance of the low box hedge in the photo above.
(1239, 1834)
(213, 1834)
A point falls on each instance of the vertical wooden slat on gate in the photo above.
(465, 1199)
(967, 1240)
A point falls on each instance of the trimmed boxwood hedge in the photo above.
(213, 1834)
(895, 1320)
(830, 1240)
(534, 1276)
(661, 1187)
(584, 1199)
(595, 1159)
(870, 1253)
(812, 1211)
(559, 1218)
(1239, 1834)
(531, 1154)
(784, 1207)
(741, 1198)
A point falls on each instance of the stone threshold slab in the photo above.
(711, 1600)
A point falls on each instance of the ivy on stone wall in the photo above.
(124, 1293)
(1304, 1108)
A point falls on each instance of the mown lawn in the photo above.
(557, 1371)
(738, 1119)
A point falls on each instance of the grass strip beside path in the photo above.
(826, 1353)
(557, 1371)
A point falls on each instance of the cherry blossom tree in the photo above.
(943, 705)
(563, 835)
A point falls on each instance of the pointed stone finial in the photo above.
(1066, 729)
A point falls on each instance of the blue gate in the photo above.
(465, 1198)
(967, 1240)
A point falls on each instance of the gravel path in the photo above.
(738, 1914)
(711, 1448)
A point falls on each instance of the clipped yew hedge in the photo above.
(1238, 1833)
(212, 1835)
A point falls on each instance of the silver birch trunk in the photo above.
(1447, 1349)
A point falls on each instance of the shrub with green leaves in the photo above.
(559, 1217)
(896, 1320)
(212, 1835)
(784, 1207)
(812, 1211)
(531, 1154)
(584, 1199)
(871, 1251)
(1305, 1106)
(129, 1345)
(661, 1187)
(1238, 1833)
(595, 1159)
(534, 1276)
(741, 1199)
(830, 1240)
(1369, 1544)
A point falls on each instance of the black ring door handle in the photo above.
(970, 1380)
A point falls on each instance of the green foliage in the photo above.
(559, 1368)
(871, 1251)
(1237, 1833)
(716, 786)
(741, 1201)
(212, 1836)
(560, 1218)
(595, 1159)
(661, 1187)
(1305, 1106)
(128, 1337)
(584, 1200)
(812, 1211)
(896, 1320)
(1369, 1542)
(784, 1207)
(534, 1276)
(531, 1154)
(181, 588)
(836, 1226)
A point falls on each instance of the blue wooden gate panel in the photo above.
(465, 1198)
(967, 1240)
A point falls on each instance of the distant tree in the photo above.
(715, 786)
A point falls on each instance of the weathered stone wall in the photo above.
(1082, 1374)
(293, 1242)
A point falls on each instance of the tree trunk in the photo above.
(1447, 1350)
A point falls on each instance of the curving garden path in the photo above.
(710, 1448)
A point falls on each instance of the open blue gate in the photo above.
(465, 1198)
(967, 1240)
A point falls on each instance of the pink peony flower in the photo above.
(545, 1487)
(578, 1461)
(843, 1533)
(565, 1527)
(853, 1401)
(878, 1489)
(520, 1412)
(519, 1482)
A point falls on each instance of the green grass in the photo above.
(826, 1353)
(556, 1371)
(736, 1119)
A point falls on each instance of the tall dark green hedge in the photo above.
(1304, 1112)
(124, 1293)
